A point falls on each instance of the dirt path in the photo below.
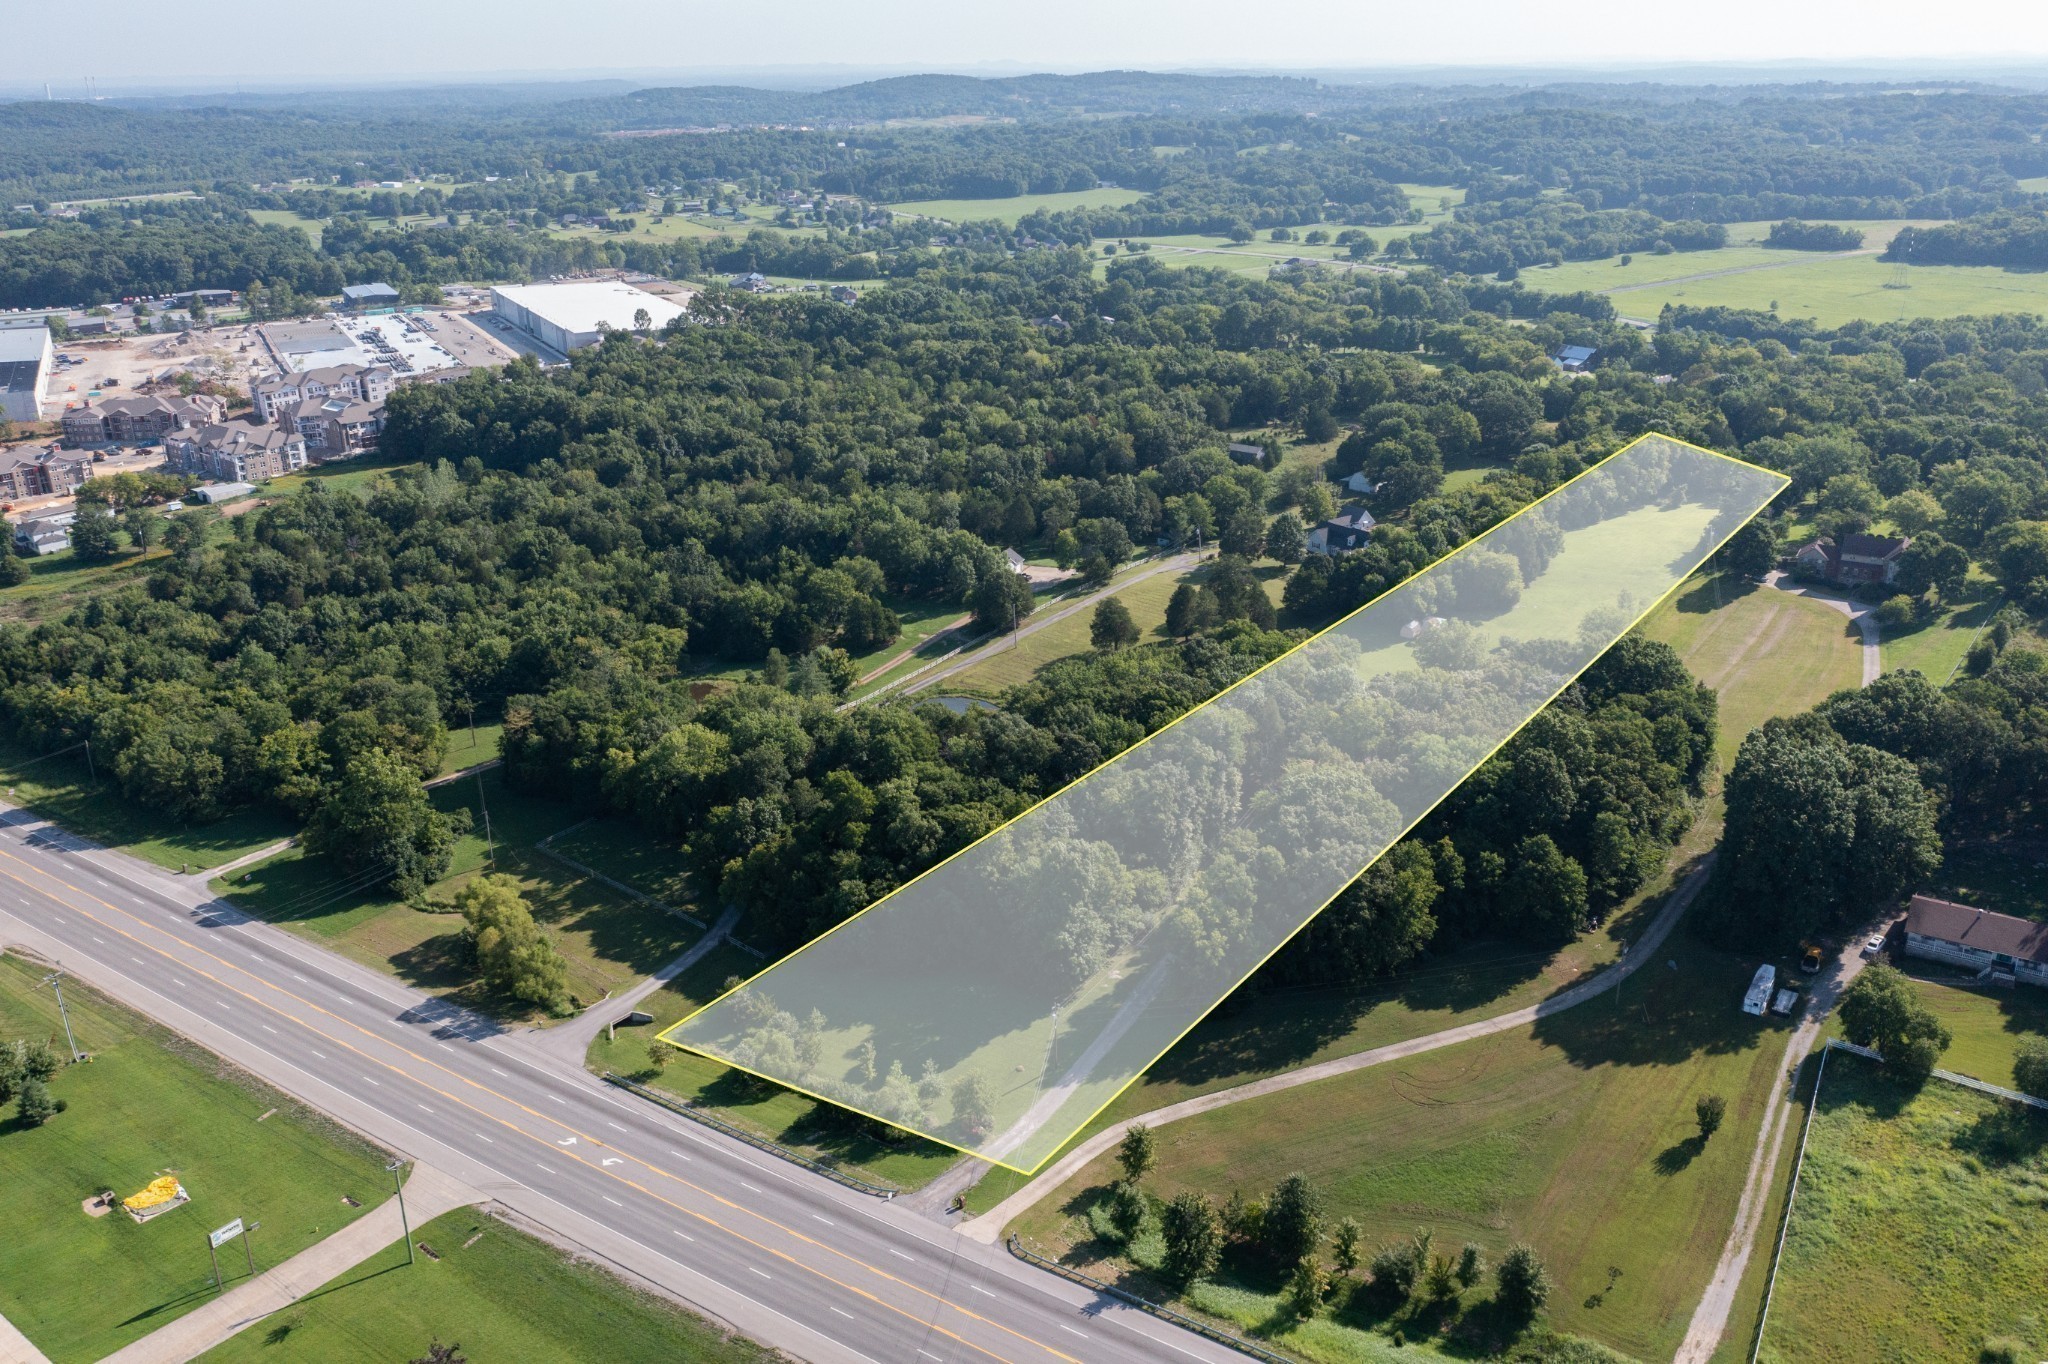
(988, 1227)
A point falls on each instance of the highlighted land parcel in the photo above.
(998, 1001)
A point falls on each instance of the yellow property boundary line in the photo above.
(1784, 482)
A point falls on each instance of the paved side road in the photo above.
(789, 1258)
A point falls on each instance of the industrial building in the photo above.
(567, 316)
(25, 362)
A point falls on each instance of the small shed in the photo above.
(1244, 452)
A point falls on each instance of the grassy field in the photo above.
(1829, 288)
(921, 620)
(1988, 1025)
(1575, 1135)
(468, 746)
(499, 1293)
(1008, 211)
(149, 1103)
(823, 1132)
(62, 787)
(1918, 1231)
(57, 582)
(1009, 667)
(1766, 652)
(284, 217)
(609, 939)
(1936, 648)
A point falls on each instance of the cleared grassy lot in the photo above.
(62, 787)
(823, 1132)
(610, 939)
(499, 1293)
(149, 1103)
(1009, 667)
(1009, 211)
(1936, 648)
(1575, 1135)
(1766, 652)
(1988, 1025)
(1918, 1231)
(1831, 288)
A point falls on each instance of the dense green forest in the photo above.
(763, 486)
(1546, 175)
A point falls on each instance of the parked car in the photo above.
(1809, 959)
(1873, 945)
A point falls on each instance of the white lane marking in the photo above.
(558, 1098)
(609, 1123)
(841, 1311)
(826, 1220)
(481, 1137)
(762, 1272)
(979, 1289)
(98, 939)
(1070, 1330)
(321, 1054)
(543, 1167)
(137, 960)
(929, 1355)
(686, 1236)
(267, 1028)
(677, 1154)
(499, 1073)
(901, 1256)
(613, 1201)
(300, 979)
(368, 1081)
(223, 1006)
(424, 1109)
(755, 1187)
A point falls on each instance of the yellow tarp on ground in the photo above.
(161, 1190)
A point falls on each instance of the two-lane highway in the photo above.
(790, 1258)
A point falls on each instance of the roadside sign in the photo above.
(220, 1236)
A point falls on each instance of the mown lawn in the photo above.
(500, 1294)
(1766, 652)
(63, 788)
(1576, 1135)
(150, 1103)
(823, 1132)
(610, 939)
(1010, 667)
(1921, 1227)
(1936, 648)
(1988, 1025)
(1009, 211)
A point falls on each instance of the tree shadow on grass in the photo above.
(1660, 1016)
(1713, 592)
(2011, 1134)
(1674, 1158)
(442, 962)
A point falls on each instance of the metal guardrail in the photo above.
(683, 1108)
(1203, 1329)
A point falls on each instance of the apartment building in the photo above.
(278, 397)
(235, 452)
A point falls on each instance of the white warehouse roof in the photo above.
(578, 307)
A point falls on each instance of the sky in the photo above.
(130, 43)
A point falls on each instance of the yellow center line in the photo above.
(558, 1151)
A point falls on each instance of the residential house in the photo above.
(41, 537)
(338, 426)
(279, 396)
(1993, 945)
(845, 293)
(1349, 529)
(41, 471)
(752, 282)
(1574, 359)
(235, 452)
(1856, 560)
(138, 421)
(1246, 453)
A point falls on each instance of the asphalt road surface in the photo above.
(776, 1252)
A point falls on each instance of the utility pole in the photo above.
(490, 848)
(55, 980)
(404, 1225)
